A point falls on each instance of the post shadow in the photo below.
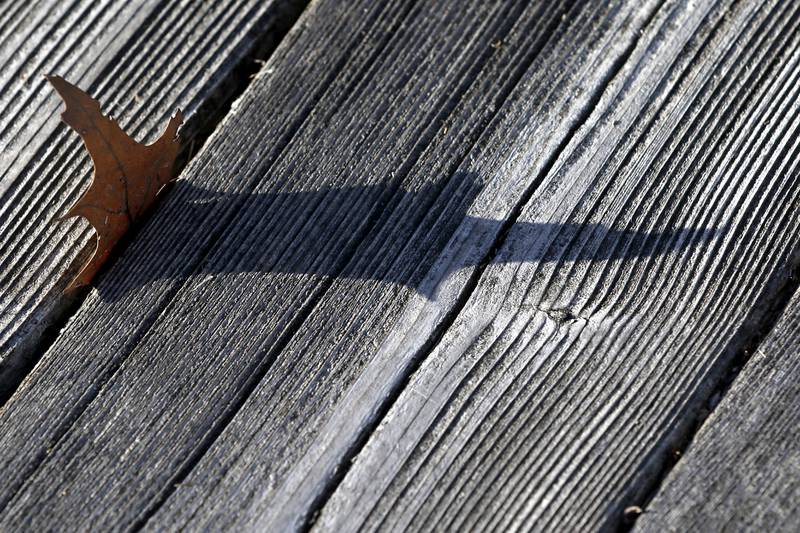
(252, 252)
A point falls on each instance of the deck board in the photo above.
(741, 471)
(142, 61)
(344, 143)
(372, 332)
(493, 254)
(562, 386)
(32, 137)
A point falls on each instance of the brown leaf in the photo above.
(127, 175)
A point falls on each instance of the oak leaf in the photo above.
(127, 175)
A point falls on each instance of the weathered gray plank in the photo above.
(352, 322)
(78, 40)
(268, 468)
(259, 322)
(356, 152)
(560, 387)
(741, 472)
(142, 60)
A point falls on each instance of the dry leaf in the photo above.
(127, 175)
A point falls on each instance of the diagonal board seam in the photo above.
(260, 371)
(502, 236)
(766, 312)
(450, 317)
(765, 315)
(314, 300)
(749, 342)
(208, 108)
(169, 297)
(565, 511)
(214, 98)
(27, 357)
(296, 124)
(329, 485)
(204, 124)
(409, 165)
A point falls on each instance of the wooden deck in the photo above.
(430, 265)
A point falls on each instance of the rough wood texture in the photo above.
(77, 39)
(741, 471)
(351, 171)
(141, 60)
(542, 207)
(327, 384)
(560, 386)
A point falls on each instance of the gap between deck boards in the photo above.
(771, 306)
(760, 321)
(346, 460)
(767, 312)
(199, 127)
(449, 319)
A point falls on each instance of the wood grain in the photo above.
(344, 172)
(492, 253)
(269, 469)
(142, 61)
(741, 470)
(558, 391)
(30, 199)
(39, 38)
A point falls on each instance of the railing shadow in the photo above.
(252, 251)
